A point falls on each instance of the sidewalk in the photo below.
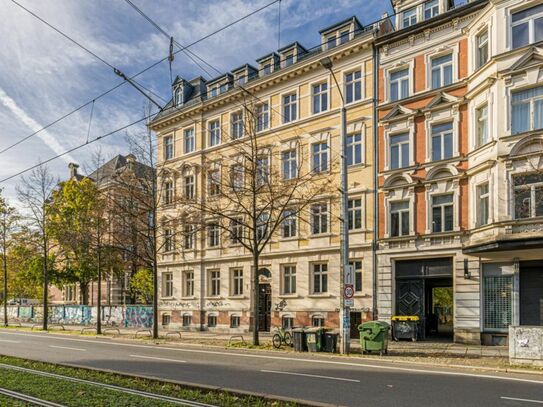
(425, 352)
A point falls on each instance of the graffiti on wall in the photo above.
(25, 313)
(138, 317)
(113, 315)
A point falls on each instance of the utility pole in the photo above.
(345, 274)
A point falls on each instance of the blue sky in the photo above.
(44, 76)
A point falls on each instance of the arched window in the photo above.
(179, 96)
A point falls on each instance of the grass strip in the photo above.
(49, 387)
(9, 402)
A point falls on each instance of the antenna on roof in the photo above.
(279, 27)
(171, 56)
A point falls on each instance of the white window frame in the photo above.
(188, 237)
(453, 51)
(410, 66)
(322, 272)
(322, 95)
(211, 132)
(478, 141)
(212, 182)
(213, 232)
(288, 274)
(353, 146)
(259, 111)
(321, 153)
(478, 46)
(442, 208)
(169, 192)
(353, 82)
(320, 211)
(478, 198)
(214, 285)
(289, 160)
(169, 147)
(188, 284)
(402, 212)
(189, 188)
(237, 128)
(237, 178)
(236, 231)
(424, 9)
(438, 117)
(192, 139)
(236, 280)
(389, 150)
(167, 284)
(530, 20)
(410, 17)
(296, 106)
(443, 187)
(289, 222)
(352, 211)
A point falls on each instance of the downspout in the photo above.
(375, 178)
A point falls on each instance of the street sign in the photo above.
(348, 278)
(348, 302)
(349, 291)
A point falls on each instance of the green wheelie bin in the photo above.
(374, 337)
(315, 339)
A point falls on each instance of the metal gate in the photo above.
(410, 297)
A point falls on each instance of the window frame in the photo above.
(403, 212)
(167, 284)
(530, 20)
(320, 216)
(169, 192)
(532, 101)
(358, 276)
(479, 63)
(319, 271)
(442, 212)
(399, 81)
(442, 135)
(481, 141)
(189, 188)
(289, 222)
(188, 284)
(351, 214)
(262, 125)
(479, 222)
(452, 63)
(237, 128)
(186, 140)
(351, 148)
(214, 283)
(288, 274)
(292, 106)
(320, 154)
(320, 95)
(352, 83)
(214, 183)
(390, 136)
(431, 9)
(214, 133)
(168, 147)
(287, 171)
(413, 9)
(213, 235)
(236, 281)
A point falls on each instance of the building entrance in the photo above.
(425, 288)
(264, 307)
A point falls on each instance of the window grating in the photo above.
(497, 303)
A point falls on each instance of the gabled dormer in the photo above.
(290, 53)
(411, 12)
(268, 64)
(244, 74)
(398, 113)
(199, 87)
(339, 33)
(219, 85)
(182, 91)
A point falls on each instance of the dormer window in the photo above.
(266, 69)
(179, 96)
(331, 42)
(214, 91)
(224, 87)
(410, 17)
(242, 80)
(431, 9)
(289, 60)
(344, 36)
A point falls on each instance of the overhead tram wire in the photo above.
(131, 77)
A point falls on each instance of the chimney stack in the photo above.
(73, 170)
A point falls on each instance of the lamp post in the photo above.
(345, 274)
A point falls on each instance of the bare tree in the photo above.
(255, 187)
(34, 193)
(9, 219)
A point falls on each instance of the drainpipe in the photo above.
(375, 179)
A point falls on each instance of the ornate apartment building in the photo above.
(460, 170)
(290, 106)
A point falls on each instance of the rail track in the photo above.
(153, 396)
(28, 399)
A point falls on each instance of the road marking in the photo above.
(9, 341)
(155, 358)
(525, 400)
(311, 375)
(285, 358)
(65, 347)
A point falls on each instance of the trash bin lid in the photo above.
(405, 318)
(374, 325)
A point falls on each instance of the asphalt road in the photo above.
(325, 379)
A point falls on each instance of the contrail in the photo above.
(44, 135)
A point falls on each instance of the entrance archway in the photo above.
(264, 300)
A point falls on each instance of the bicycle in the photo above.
(280, 337)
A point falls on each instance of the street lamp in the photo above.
(345, 275)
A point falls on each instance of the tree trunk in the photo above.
(4, 258)
(84, 288)
(256, 300)
(45, 286)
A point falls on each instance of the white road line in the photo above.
(9, 341)
(155, 358)
(311, 375)
(65, 347)
(524, 400)
(289, 359)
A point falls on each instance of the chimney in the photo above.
(130, 161)
(73, 170)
